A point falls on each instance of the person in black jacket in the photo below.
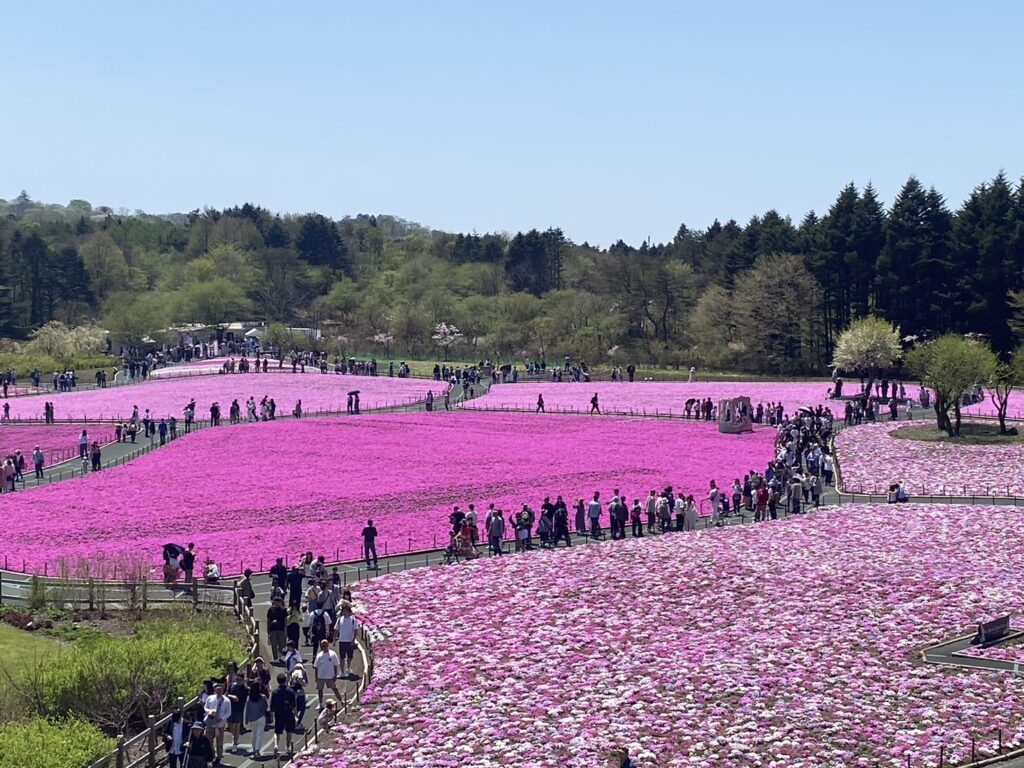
(282, 706)
(198, 748)
(175, 735)
(277, 621)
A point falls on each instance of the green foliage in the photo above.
(115, 682)
(25, 363)
(131, 318)
(706, 297)
(41, 744)
(952, 365)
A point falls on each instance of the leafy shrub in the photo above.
(41, 744)
(116, 682)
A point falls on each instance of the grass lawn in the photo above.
(971, 433)
(18, 647)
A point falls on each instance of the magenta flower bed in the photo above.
(870, 459)
(791, 644)
(170, 396)
(257, 491)
(651, 397)
(58, 442)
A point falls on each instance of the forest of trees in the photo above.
(765, 296)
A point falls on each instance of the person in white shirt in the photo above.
(345, 630)
(292, 657)
(327, 664)
(218, 711)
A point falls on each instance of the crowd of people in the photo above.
(792, 481)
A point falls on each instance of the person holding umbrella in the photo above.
(172, 564)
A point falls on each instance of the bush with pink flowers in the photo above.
(255, 491)
(792, 643)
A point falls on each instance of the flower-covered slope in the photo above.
(168, 397)
(786, 644)
(258, 491)
(870, 458)
(651, 397)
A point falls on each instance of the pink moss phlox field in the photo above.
(1015, 408)
(663, 397)
(870, 458)
(1014, 653)
(169, 397)
(790, 644)
(264, 490)
(53, 439)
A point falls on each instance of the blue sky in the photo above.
(607, 119)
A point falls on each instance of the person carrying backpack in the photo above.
(319, 626)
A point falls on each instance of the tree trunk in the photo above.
(956, 410)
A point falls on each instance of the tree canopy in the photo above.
(769, 295)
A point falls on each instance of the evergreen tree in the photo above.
(319, 243)
(870, 238)
(915, 276)
(986, 261)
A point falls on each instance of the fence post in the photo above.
(195, 595)
(145, 603)
(151, 720)
(119, 760)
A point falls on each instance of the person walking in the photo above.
(256, 708)
(277, 621)
(175, 735)
(540, 404)
(37, 461)
(282, 709)
(346, 630)
(327, 666)
(369, 544)
(198, 748)
(217, 710)
(594, 406)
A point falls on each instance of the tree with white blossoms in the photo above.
(385, 339)
(446, 336)
(64, 344)
(870, 346)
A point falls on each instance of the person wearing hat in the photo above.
(198, 748)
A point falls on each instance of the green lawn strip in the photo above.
(971, 433)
